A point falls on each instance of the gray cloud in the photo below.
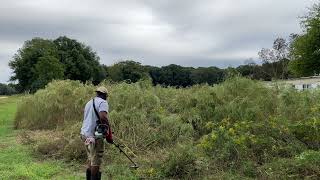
(186, 32)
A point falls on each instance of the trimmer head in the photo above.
(134, 167)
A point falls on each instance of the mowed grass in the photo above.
(16, 160)
(7, 111)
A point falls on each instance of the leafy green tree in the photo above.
(305, 48)
(40, 60)
(24, 61)
(80, 62)
(47, 69)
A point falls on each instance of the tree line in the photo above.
(41, 60)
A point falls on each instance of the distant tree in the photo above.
(249, 69)
(175, 75)
(276, 59)
(126, 70)
(24, 61)
(7, 89)
(171, 75)
(210, 75)
(305, 48)
(80, 62)
(154, 73)
(231, 72)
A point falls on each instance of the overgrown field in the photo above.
(238, 129)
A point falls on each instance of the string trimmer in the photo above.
(109, 139)
(134, 166)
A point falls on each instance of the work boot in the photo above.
(96, 177)
(88, 174)
(99, 176)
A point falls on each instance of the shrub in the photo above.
(244, 100)
(305, 165)
(182, 163)
(308, 131)
(260, 142)
(298, 106)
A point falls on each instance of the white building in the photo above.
(304, 82)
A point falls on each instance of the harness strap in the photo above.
(96, 112)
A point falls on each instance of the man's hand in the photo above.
(109, 138)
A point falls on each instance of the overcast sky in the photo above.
(155, 32)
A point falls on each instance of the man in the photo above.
(98, 106)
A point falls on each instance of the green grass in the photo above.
(7, 111)
(16, 160)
